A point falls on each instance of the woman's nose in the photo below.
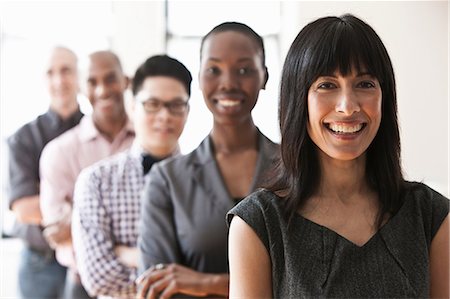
(229, 81)
(347, 103)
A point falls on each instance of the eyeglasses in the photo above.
(176, 107)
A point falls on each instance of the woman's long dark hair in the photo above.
(322, 47)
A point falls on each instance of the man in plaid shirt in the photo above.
(107, 194)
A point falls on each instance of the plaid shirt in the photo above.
(106, 213)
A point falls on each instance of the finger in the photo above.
(51, 244)
(150, 277)
(155, 276)
(57, 237)
(50, 240)
(170, 290)
(143, 275)
(158, 287)
(143, 288)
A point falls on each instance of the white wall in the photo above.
(416, 35)
(138, 31)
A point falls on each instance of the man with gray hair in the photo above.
(40, 275)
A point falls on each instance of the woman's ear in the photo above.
(266, 77)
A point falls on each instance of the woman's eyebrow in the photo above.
(364, 73)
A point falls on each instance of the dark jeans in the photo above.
(40, 275)
(74, 289)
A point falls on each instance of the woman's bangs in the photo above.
(348, 51)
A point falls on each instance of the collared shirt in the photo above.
(25, 147)
(61, 162)
(106, 214)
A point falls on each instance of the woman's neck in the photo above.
(342, 180)
(230, 139)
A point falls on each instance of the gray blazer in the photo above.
(183, 210)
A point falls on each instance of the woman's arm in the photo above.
(158, 240)
(164, 281)
(439, 262)
(158, 245)
(250, 267)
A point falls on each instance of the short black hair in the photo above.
(161, 65)
(241, 28)
(322, 47)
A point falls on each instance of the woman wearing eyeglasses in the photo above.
(107, 194)
(183, 237)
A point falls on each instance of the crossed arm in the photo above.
(105, 268)
(159, 243)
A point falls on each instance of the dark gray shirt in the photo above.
(25, 147)
(312, 261)
(183, 209)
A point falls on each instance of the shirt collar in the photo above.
(89, 131)
(57, 121)
(137, 151)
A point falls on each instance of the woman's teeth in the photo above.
(339, 128)
(228, 103)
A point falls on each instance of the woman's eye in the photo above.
(212, 70)
(243, 71)
(326, 85)
(366, 84)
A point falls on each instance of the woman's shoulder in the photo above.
(425, 196)
(174, 167)
(260, 206)
(423, 201)
(261, 198)
(261, 210)
(182, 162)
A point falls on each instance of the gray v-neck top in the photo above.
(312, 261)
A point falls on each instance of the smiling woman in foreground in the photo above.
(339, 220)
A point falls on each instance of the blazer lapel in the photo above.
(207, 175)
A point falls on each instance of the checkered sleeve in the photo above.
(101, 272)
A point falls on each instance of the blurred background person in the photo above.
(183, 234)
(40, 275)
(106, 132)
(107, 196)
